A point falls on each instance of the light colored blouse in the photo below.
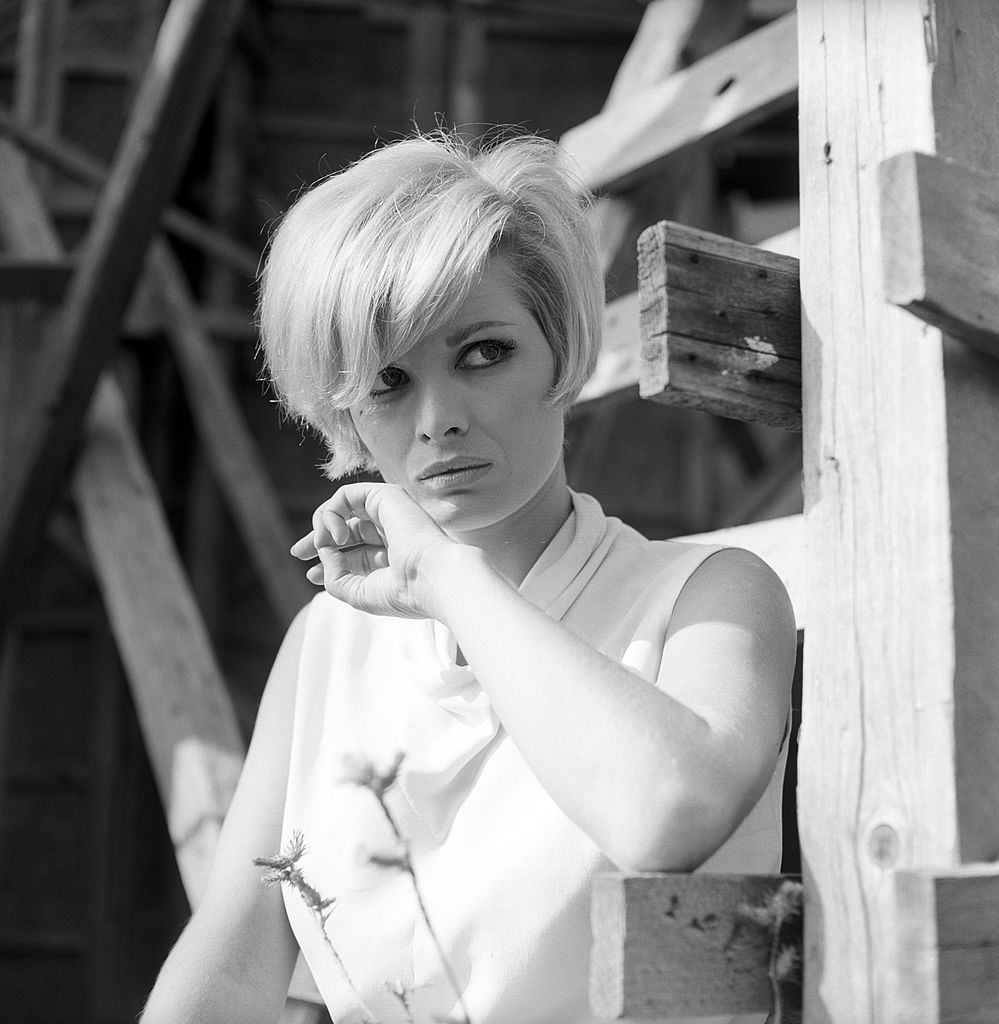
(505, 876)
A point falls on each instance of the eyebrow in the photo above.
(463, 333)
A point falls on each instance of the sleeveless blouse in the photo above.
(503, 873)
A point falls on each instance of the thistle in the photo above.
(284, 870)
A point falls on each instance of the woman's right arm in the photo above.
(233, 961)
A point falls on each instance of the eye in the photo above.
(485, 353)
(390, 379)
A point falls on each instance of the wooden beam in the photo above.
(228, 445)
(940, 237)
(900, 746)
(188, 722)
(720, 324)
(668, 945)
(192, 41)
(43, 279)
(722, 94)
(78, 165)
(949, 923)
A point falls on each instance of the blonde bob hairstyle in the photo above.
(372, 259)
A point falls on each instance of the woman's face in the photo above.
(463, 421)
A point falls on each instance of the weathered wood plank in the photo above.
(43, 279)
(900, 744)
(721, 326)
(669, 945)
(192, 41)
(188, 722)
(940, 238)
(78, 165)
(234, 457)
(949, 923)
(722, 94)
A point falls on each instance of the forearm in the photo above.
(630, 764)
(211, 977)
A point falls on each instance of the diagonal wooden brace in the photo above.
(193, 40)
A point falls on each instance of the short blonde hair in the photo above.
(372, 259)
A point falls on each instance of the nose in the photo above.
(442, 415)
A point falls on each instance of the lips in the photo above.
(452, 469)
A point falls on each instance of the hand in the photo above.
(374, 544)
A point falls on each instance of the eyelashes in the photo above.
(479, 355)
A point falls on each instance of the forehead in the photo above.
(493, 299)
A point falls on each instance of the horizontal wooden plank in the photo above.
(949, 944)
(25, 278)
(722, 94)
(680, 944)
(940, 244)
(720, 326)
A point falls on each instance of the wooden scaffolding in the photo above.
(880, 345)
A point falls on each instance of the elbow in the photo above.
(677, 832)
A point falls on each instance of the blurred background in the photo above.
(90, 893)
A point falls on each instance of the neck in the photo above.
(514, 544)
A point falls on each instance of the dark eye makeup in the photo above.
(479, 355)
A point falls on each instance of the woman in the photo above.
(566, 696)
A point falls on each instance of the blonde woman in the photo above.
(567, 695)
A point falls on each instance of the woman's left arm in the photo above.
(658, 776)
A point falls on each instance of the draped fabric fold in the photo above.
(458, 714)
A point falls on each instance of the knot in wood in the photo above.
(883, 845)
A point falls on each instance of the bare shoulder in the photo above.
(736, 586)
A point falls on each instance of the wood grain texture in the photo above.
(722, 94)
(940, 239)
(188, 722)
(669, 945)
(193, 39)
(720, 325)
(900, 737)
(949, 922)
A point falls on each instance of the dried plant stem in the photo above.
(407, 866)
(365, 1009)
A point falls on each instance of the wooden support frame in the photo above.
(940, 238)
(723, 93)
(78, 165)
(721, 326)
(41, 279)
(192, 41)
(187, 719)
(900, 744)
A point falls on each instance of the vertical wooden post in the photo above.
(899, 749)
